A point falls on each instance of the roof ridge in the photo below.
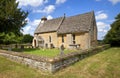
(54, 18)
(60, 23)
(77, 23)
(72, 15)
(37, 27)
(92, 17)
(80, 14)
(63, 24)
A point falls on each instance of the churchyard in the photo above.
(27, 49)
(45, 52)
(49, 60)
(104, 64)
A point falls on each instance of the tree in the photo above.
(10, 38)
(113, 35)
(27, 38)
(2, 35)
(12, 18)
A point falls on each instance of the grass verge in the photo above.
(44, 52)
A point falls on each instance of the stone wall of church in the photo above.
(50, 39)
(81, 39)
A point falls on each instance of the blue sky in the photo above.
(105, 11)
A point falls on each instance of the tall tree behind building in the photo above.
(12, 18)
(113, 35)
(27, 38)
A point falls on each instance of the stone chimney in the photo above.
(43, 19)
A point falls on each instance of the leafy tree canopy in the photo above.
(113, 35)
(12, 18)
(10, 38)
(27, 38)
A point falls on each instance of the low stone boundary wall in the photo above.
(15, 46)
(51, 64)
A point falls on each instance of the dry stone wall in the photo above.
(51, 64)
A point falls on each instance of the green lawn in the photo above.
(45, 52)
(106, 64)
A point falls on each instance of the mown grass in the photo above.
(106, 64)
(44, 52)
(9, 69)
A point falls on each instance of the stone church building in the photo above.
(79, 31)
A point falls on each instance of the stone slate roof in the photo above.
(49, 25)
(73, 24)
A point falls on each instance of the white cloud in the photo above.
(60, 1)
(35, 22)
(102, 27)
(103, 30)
(27, 19)
(100, 15)
(48, 9)
(33, 3)
(26, 29)
(32, 25)
(30, 28)
(49, 17)
(114, 1)
(110, 21)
